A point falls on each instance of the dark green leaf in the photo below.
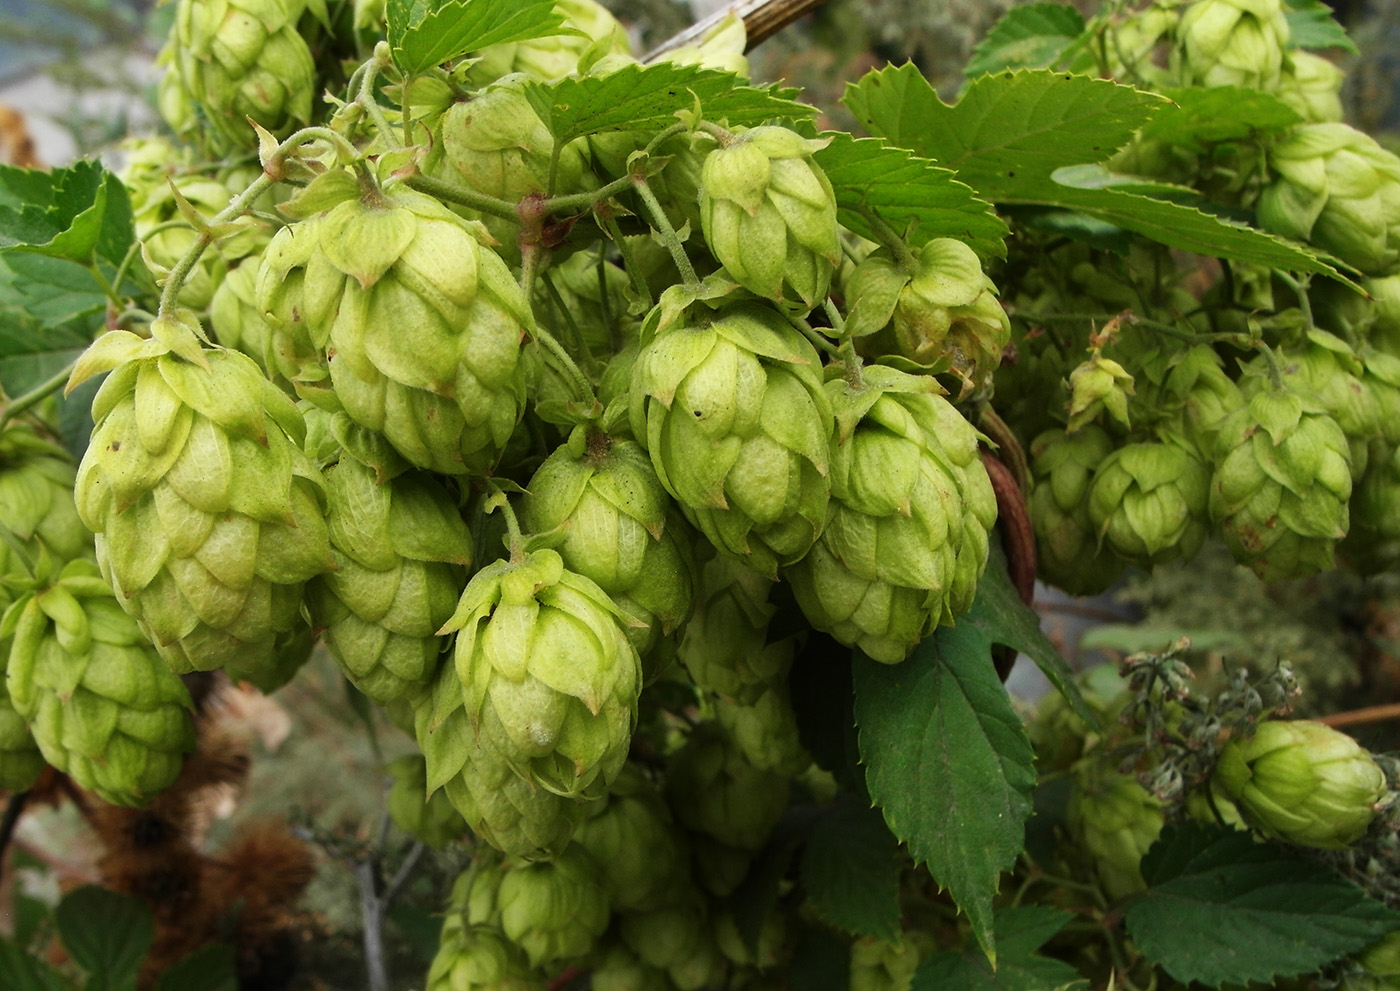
(1311, 25)
(756, 898)
(850, 870)
(822, 700)
(948, 761)
(420, 927)
(1003, 618)
(1223, 908)
(425, 33)
(1011, 131)
(911, 194)
(1032, 36)
(76, 213)
(1220, 113)
(106, 934)
(211, 968)
(646, 98)
(49, 291)
(21, 972)
(1019, 933)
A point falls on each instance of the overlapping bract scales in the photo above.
(906, 539)
(401, 554)
(36, 491)
(420, 323)
(209, 517)
(738, 428)
(103, 706)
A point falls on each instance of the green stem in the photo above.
(889, 237)
(726, 137)
(814, 335)
(127, 259)
(604, 297)
(365, 98)
(662, 224)
(575, 202)
(516, 541)
(36, 395)
(1300, 289)
(1275, 368)
(463, 196)
(582, 387)
(557, 299)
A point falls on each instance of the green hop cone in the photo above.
(1312, 86)
(632, 832)
(1380, 967)
(209, 517)
(617, 527)
(1372, 543)
(1339, 190)
(1098, 385)
(877, 965)
(401, 553)
(945, 310)
(769, 215)
(1068, 552)
(430, 819)
(1148, 501)
(1329, 371)
(725, 646)
(713, 789)
(1302, 782)
(1231, 43)
(480, 958)
(597, 33)
(240, 59)
(549, 679)
(21, 761)
(738, 427)
(422, 323)
(237, 321)
(621, 969)
(501, 807)
(765, 731)
(1205, 394)
(677, 939)
(554, 910)
(36, 489)
(1114, 819)
(906, 534)
(1281, 484)
(102, 705)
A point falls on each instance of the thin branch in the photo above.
(762, 20)
(1359, 717)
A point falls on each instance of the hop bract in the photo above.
(1340, 190)
(905, 539)
(1232, 43)
(1302, 782)
(1068, 552)
(549, 678)
(738, 429)
(1148, 502)
(769, 215)
(1115, 819)
(209, 517)
(36, 489)
(421, 322)
(103, 706)
(554, 910)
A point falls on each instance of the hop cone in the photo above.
(1312, 85)
(677, 940)
(880, 966)
(422, 324)
(1281, 484)
(479, 958)
(905, 539)
(237, 59)
(725, 647)
(1340, 190)
(554, 910)
(1068, 554)
(765, 731)
(556, 55)
(549, 678)
(621, 969)
(401, 549)
(102, 705)
(1148, 502)
(36, 489)
(1115, 820)
(632, 832)
(237, 321)
(738, 427)
(1232, 43)
(714, 790)
(617, 527)
(1302, 782)
(430, 819)
(209, 517)
(1329, 371)
(20, 758)
(769, 215)
(1205, 396)
(946, 310)
(504, 809)
(1372, 544)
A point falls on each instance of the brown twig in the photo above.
(1018, 538)
(1358, 717)
(762, 19)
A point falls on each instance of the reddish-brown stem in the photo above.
(1017, 538)
(1359, 717)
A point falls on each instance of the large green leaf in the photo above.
(425, 33)
(1011, 132)
(850, 870)
(1219, 113)
(1031, 36)
(1223, 908)
(1019, 933)
(948, 761)
(21, 972)
(646, 98)
(106, 934)
(911, 194)
(78, 213)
